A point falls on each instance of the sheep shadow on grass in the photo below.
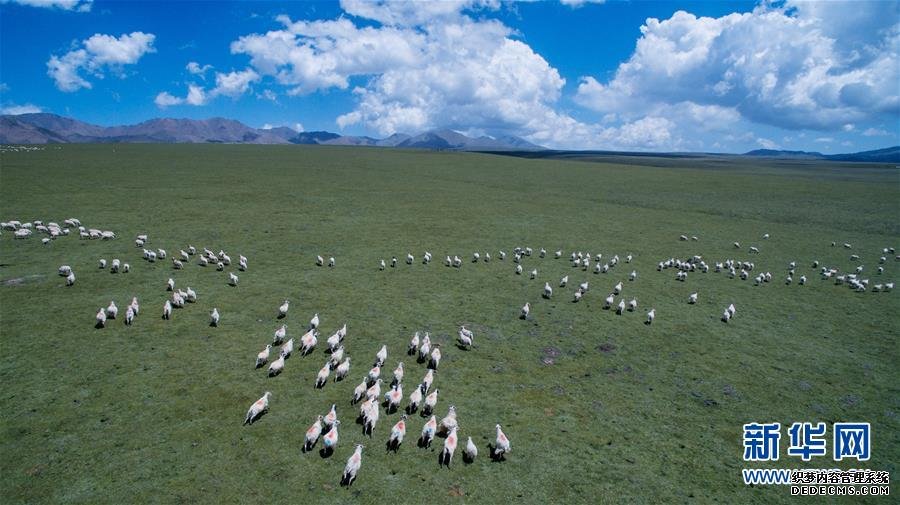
(326, 452)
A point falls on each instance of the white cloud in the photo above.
(772, 66)
(68, 5)
(196, 69)
(824, 140)
(875, 132)
(298, 127)
(578, 3)
(767, 144)
(164, 100)
(267, 126)
(97, 55)
(412, 13)
(15, 110)
(234, 83)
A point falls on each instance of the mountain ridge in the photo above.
(47, 128)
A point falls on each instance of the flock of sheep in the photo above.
(423, 396)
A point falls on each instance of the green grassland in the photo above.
(623, 412)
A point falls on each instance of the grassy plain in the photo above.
(624, 413)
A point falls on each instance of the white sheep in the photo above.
(312, 434)
(382, 265)
(564, 281)
(518, 269)
(435, 357)
(633, 275)
(525, 310)
(101, 318)
(651, 316)
(102, 263)
(277, 366)
(70, 279)
(112, 311)
(331, 261)
(693, 298)
(501, 444)
(397, 433)
(534, 273)
(449, 447)
(258, 407)
(308, 341)
(548, 291)
(232, 279)
(617, 288)
(409, 259)
(381, 356)
(167, 310)
(430, 402)
(283, 309)
(170, 284)
(632, 305)
(621, 307)
(320, 261)
(263, 356)
(428, 432)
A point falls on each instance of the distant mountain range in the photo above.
(886, 155)
(45, 128)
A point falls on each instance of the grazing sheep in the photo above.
(692, 299)
(789, 280)
(167, 310)
(428, 432)
(276, 367)
(413, 346)
(398, 373)
(465, 338)
(415, 398)
(633, 275)
(435, 357)
(475, 257)
(336, 356)
(203, 261)
(583, 287)
(518, 269)
(312, 434)
(502, 255)
(501, 444)
(428, 379)
(449, 448)
(232, 279)
(101, 318)
(331, 261)
(564, 281)
(170, 284)
(525, 310)
(102, 264)
(607, 304)
(283, 309)
(263, 356)
(322, 376)
(754, 249)
(382, 265)
(632, 305)
(802, 280)
(287, 349)
(70, 279)
(578, 295)
(374, 374)
(360, 390)
(342, 369)
(617, 288)
(64, 270)
(726, 316)
(308, 342)
(280, 334)
(430, 402)
(320, 261)
(176, 264)
(620, 308)
(651, 316)
(330, 439)
(314, 322)
(394, 397)
(548, 291)
(112, 311)
(258, 407)
(397, 433)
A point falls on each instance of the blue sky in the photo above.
(645, 76)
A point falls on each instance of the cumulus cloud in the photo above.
(15, 110)
(197, 69)
(232, 84)
(782, 67)
(424, 65)
(68, 5)
(875, 132)
(96, 56)
(578, 3)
